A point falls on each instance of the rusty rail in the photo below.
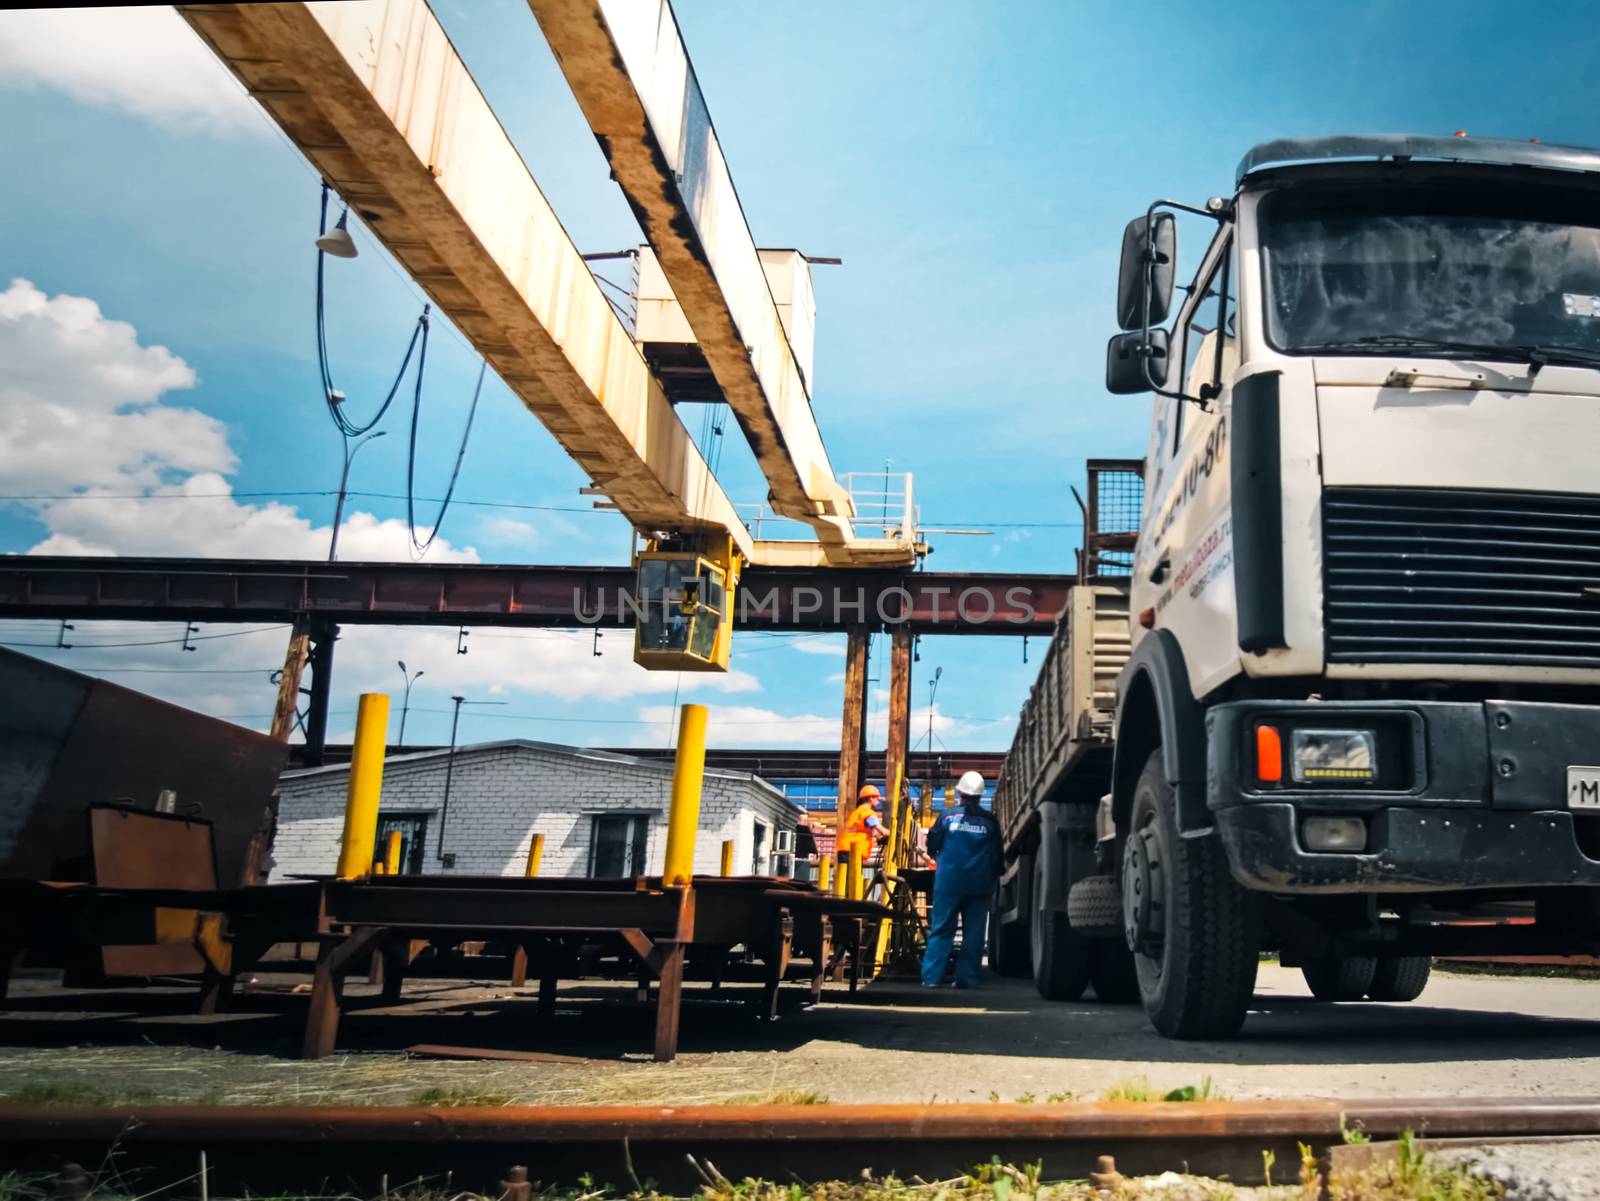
(288, 1148)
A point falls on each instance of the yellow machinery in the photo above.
(685, 597)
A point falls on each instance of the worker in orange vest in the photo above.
(864, 825)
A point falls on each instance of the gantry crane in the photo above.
(377, 99)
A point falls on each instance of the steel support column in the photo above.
(899, 737)
(324, 634)
(855, 710)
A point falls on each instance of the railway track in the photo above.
(262, 1150)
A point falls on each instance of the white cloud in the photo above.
(812, 645)
(144, 61)
(79, 400)
(82, 415)
(513, 665)
(69, 373)
(744, 725)
(210, 523)
(507, 530)
(538, 674)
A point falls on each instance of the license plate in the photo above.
(1583, 789)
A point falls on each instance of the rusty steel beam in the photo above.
(774, 598)
(287, 1148)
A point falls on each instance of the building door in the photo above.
(758, 863)
(413, 828)
(617, 847)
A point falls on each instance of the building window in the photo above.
(617, 847)
(413, 831)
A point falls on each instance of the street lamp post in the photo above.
(449, 770)
(344, 483)
(405, 704)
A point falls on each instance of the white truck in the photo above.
(1356, 646)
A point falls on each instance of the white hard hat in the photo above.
(970, 784)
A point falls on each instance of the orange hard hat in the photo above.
(869, 792)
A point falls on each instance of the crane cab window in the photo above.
(683, 607)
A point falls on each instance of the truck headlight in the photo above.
(1333, 756)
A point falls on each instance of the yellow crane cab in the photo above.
(685, 602)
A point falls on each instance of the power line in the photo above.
(301, 493)
(481, 504)
(639, 721)
(170, 671)
(157, 642)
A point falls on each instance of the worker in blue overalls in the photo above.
(965, 846)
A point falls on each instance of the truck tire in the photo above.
(1060, 957)
(1345, 978)
(1008, 947)
(1112, 973)
(1194, 932)
(1094, 907)
(1400, 978)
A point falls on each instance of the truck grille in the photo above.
(1424, 575)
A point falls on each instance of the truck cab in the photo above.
(1360, 720)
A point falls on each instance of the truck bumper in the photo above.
(1468, 795)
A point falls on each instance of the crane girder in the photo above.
(375, 96)
(626, 63)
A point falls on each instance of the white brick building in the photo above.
(600, 813)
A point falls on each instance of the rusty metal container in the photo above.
(70, 741)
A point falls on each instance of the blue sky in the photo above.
(972, 164)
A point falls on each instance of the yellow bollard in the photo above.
(825, 874)
(683, 821)
(727, 856)
(391, 854)
(366, 783)
(853, 889)
(535, 854)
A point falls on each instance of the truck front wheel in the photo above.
(1194, 932)
(1060, 957)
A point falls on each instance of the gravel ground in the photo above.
(1467, 1035)
(1537, 1171)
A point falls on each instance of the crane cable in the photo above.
(331, 394)
(422, 546)
(350, 429)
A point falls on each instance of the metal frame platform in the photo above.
(549, 919)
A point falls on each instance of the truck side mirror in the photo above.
(1126, 359)
(1149, 265)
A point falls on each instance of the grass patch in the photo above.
(1533, 971)
(786, 1096)
(1139, 1088)
(22, 1186)
(1409, 1175)
(88, 1095)
(459, 1098)
(1413, 1175)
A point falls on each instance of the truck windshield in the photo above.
(1458, 269)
